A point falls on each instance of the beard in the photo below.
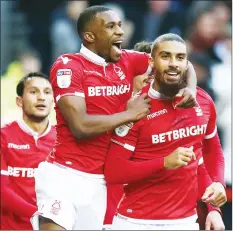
(171, 89)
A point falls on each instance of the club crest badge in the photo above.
(123, 129)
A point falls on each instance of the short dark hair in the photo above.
(87, 15)
(21, 84)
(143, 46)
(164, 38)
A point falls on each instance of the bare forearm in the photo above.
(191, 77)
(93, 125)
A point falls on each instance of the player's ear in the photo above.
(89, 37)
(19, 101)
(152, 63)
(187, 65)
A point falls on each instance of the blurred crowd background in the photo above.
(34, 33)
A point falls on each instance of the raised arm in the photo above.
(189, 93)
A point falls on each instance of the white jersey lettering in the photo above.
(21, 172)
(18, 146)
(108, 90)
(179, 134)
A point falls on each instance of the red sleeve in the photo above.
(66, 77)
(139, 62)
(10, 200)
(205, 181)
(212, 150)
(120, 151)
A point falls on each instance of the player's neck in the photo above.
(37, 126)
(157, 88)
(165, 90)
(92, 48)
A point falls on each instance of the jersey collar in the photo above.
(155, 94)
(29, 131)
(91, 56)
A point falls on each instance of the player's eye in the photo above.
(48, 92)
(111, 26)
(165, 56)
(180, 58)
(33, 92)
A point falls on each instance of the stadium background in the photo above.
(35, 32)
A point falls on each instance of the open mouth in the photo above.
(117, 44)
(172, 73)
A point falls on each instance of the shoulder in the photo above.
(132, 53)
(202, 95)
(67, 61)
(10, 130)
(9, 127)
(67, 65)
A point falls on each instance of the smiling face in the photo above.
(37, 99)
(107, 35)
(169, 61)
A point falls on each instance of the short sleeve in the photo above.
(66, 77)
(139, 62)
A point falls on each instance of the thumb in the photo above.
(194, 156)
(143, 96)
(207, 193)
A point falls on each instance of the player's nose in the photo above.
(119, 31)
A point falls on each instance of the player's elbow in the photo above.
(81, 132)
(110, 179)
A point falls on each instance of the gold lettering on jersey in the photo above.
(179, 134)
(108, 90)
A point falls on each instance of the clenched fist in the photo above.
(138, 107)
(180, 157)
(215, 194)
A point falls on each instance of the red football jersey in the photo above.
(114, 195)
(21, 152)
(167, 194)
(105, 86)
